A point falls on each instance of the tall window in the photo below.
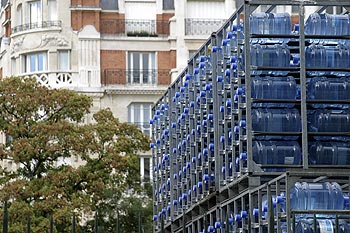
(35, 62)
(145, 168)
(52, 10)
(139, 114)
(63, 60)
(141, 68)
(35, 12)
(19, 15)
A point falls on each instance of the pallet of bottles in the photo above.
(261, 96)
(292, 202)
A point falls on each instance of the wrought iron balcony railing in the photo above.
(134, 77)
(42, 24)
(202, 26)
(135, 27)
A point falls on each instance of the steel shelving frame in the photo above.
(202, 152)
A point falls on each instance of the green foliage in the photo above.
(46, 125)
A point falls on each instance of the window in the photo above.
(141, 68)
(35, 62)
(35, 12)
(168, 5)
(145, 169)
(19, 15)
(52, 10)
(13, 66)
(109, 4)
(139, 114)
(63, 60)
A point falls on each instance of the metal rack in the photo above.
(203, 130)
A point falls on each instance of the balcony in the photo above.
(37, 25)
(203, 27)
(54, 79)
(150, 77)
(140, 28)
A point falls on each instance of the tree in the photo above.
(46, 126)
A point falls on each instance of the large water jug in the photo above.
(328, 88)
(337, 56)
(316, 196)
(329, 153)
(259, 23)
(315, 57)
(313, 24)
(322, 226)
(281, 23)
(323, 120)
(277, 152)
(327, 24)
(270, 23)
(270, 55)
(274, 87)
(276, 120)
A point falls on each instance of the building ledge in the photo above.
(159, 90)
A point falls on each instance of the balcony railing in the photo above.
(37, 25)
(202, 26)
(142, 28)
(55, 79)
(133, 77)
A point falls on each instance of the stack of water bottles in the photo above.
(328, 92)
(275, 117)
(309, 196)
(188, 150)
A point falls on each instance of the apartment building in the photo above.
(122, 53)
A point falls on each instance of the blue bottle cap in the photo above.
(225, 42)
(244, 214)
(188, 76)
(223, 169)
(195, 71)
(243, 156)
(229, 35)
(239, 91)
(256, 212)
(219, 79)
(228, 103)
(233, 59)
(238, 218)
(227, 73)
(205, 151)
(211, 146)
(210, 117)
(222, 139)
